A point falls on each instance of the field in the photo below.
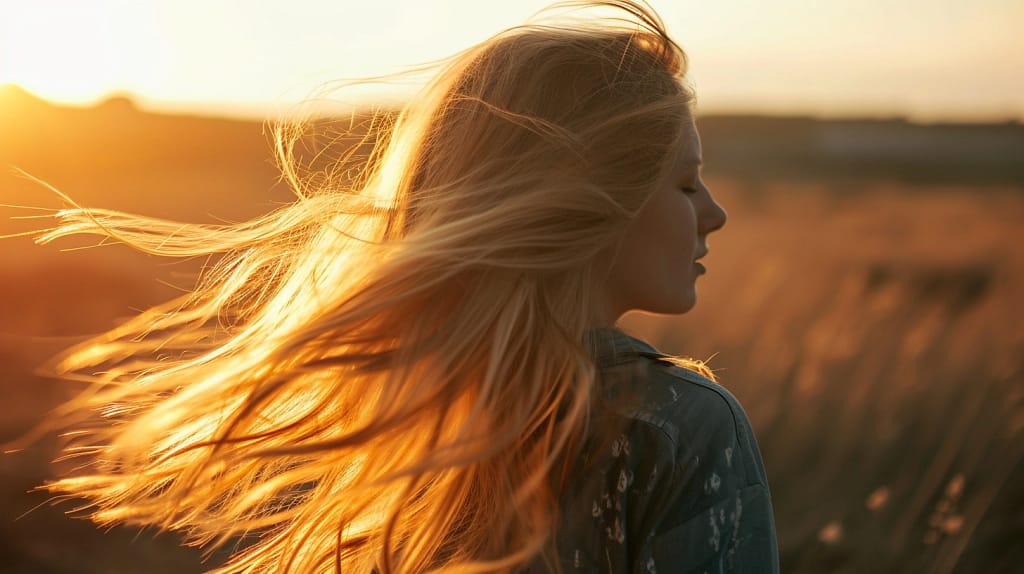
(870, 321)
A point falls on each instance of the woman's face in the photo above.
(656, 268)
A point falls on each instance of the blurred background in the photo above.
(863, 301)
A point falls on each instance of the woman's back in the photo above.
(679, 487)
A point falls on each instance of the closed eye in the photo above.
(688, 190)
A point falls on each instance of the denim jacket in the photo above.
(682, 488)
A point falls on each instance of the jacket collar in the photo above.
(612, 346)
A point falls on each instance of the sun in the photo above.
(70, 52)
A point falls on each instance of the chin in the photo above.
(672, 305)
(683, 308)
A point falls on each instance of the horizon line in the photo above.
(266, 110)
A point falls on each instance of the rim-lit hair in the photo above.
(394, 373)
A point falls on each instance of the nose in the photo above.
(713, 216)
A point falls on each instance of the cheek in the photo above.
(657, 255)
(654, 268)
(672, 231)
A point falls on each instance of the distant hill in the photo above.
(856, 149)
(16, 101)
(111, 155)
(116, 135)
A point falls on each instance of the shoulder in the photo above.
(697, 417)
(657, 388)
(686, 404)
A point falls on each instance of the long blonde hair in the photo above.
(392, 373)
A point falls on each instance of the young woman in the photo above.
(419, 370)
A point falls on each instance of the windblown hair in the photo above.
(392, 374)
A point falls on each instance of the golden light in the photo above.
(236, 57)
(73, 52)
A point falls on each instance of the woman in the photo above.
(419, 370)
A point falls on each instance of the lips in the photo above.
(700, 266)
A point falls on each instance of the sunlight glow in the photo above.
(237, 57)
(78, 51)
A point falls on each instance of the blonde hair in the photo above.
(392, 374)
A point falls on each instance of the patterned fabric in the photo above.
(678, 484)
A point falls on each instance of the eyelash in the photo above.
(688, 190)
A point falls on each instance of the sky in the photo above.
(929, 60)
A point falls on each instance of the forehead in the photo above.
(690, 154)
